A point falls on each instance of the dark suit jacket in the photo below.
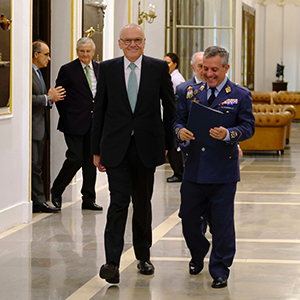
(75, 112)
(221, 164)
(39, 109)
(114, 121)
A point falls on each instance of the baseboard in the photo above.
(13, 216)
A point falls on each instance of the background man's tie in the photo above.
(88, 76)
(132, 87)
(212, 96)
(42, 81)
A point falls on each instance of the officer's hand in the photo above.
(97, 163)
(218, 133)
(186, 135)
(57, 94)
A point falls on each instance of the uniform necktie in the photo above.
(132, 87)
(88, 76)
(212, 96)
(42, 81)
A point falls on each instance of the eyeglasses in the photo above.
(46, 54)
(137, 41)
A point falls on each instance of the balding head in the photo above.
(197, 65)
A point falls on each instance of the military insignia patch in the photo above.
(190, 92)
(229, 102)
(233, 134)
(176, 130)
(196, 92)
(202, 88)
(228, 89)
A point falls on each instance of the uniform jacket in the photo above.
(220, 164)
(39, 109)
(75, 111)
(113, 120)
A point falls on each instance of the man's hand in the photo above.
(218, 133)
(56, 94)
(186, 135)
(97, 163)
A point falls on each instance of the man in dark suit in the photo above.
(211, 174)
(41, 101)
(129, 140)
(197, 66)
(79, 78)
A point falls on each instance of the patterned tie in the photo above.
(132, 87)
(212, 96)
(42, 81)
(88, 76)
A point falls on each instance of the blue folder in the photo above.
(201, 119)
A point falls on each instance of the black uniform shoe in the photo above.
(110, 273)
(91, 206)
(56, 201)
(174, 179)
(195, 268)
(45, 208)
(146, 267)
(219, 282)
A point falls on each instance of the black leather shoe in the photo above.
(110, 273)
(56, 200)
(219, 282)
(195, 268)
(174, 179)
(146, 267)
(45, 208)
(91, 206)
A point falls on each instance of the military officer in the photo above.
(211, 174)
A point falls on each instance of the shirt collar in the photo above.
(34, 67)
(138, 62)
(220, 86)
(90, 64)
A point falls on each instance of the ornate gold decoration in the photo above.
(144, 16)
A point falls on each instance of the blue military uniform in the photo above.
(211, 175)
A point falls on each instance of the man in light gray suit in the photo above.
(41, 101)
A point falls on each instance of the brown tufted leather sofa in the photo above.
(272, 124)
(262, 97)
(292, 98)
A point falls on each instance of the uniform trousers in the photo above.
(78, 155)
(195, 200)
(37, 189)
(130, 179)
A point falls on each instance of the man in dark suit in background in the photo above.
(211, 174)
(129, 139)
(79, 78)
(41, 101)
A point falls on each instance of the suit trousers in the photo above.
(37, 185)
(176, 161)
(129, 179)
(195, 200)
(78, 156)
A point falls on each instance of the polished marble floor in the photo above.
(58, 256)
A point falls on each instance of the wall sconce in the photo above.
(148, 17)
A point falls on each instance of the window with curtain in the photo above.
(194, 25)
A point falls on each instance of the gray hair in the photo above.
(37, 46)
(85, 41)
(193, 59)
(134, 26)
(216, 50)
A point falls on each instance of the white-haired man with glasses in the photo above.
(129, 139)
